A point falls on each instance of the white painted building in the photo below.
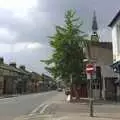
(115, 25)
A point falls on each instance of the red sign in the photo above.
(90, 68)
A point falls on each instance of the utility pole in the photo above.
(91, 97)
(89, 71)
(91, 81)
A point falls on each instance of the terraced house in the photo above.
(23, 80)
(36, 82)
(8, 78)
(11, 77)
(15, 80)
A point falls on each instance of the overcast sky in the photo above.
(25, 25)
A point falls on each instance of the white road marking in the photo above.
(44, 108)
(36, 109)
(62, 118)
(6, 102)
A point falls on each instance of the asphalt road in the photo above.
(11, 108)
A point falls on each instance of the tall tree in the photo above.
(67, 42)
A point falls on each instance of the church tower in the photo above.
(94, 36)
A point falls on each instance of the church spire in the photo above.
(94, 36)
(94, 24)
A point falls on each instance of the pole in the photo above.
(71, 80)
(118, 86)
(91, 97)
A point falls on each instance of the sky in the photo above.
(26, 24)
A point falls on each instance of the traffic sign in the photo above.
(88, 76)
(90, 68)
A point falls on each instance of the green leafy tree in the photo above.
(67, 42)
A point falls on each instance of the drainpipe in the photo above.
(118, 88)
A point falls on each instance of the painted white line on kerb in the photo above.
(44, 108)
(62, 118)
(36, 109)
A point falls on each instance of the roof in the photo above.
(36, 75)
(7, 67)
(115, 19)
(107, 45)
(25, 71)
(47, 77)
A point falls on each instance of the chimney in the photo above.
(1, 60)
(22, 67)
(13, 64)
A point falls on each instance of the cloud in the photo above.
(20, 47)
(35, 29)
(34, 45)
(20, 8)
(25, 25)
(41, 16)
(5, 48)
(7, 36)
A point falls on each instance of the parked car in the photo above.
(59, 90)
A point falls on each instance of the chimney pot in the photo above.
(13, 64)
(1, 60)
(22, 67)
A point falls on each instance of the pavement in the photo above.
(16, 106)
(57, 108)
(8, 96)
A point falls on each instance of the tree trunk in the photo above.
(74, 93)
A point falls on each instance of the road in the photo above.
(11, 108)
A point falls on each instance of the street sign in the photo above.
(88, 76)
(90, 68)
